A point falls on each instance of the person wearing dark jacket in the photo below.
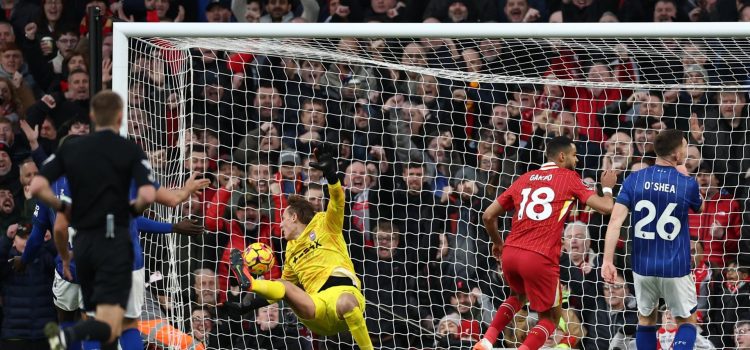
(269, 331)
(728, 303)
(613, 323)
(63, 107)
(580, 267)
(27, 295)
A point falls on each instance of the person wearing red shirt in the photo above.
(588, 102)
(246, 226)
(719, 224)
(542, 200)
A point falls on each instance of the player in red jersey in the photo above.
(531, 258)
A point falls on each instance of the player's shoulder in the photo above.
(546, 174)
(73, 144)
(640, 175)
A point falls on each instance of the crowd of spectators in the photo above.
(421, 156)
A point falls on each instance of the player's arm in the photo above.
(324, 161)
(40, 189)
(61, 237)
(184, 227)
(36, 238)
(697, 198)
(604, 204)
(175, 196)
(490, 221)
(144, 180)
(619, 214)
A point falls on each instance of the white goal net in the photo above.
(430, 131)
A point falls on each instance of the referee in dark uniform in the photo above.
(99, 168)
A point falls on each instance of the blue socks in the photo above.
(685, 337)
(130, 339)
(645, 338)
(91, 345)
(74, 345)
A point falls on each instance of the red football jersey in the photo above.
(719, 229)
(541, 200)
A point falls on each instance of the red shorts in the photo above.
(530, 274)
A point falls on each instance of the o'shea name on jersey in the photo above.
(659, 199)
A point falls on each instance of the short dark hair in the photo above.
(78, 71)
(412, 165)
(11, 46)
(556, 145)
(314, 186)
(667, 142)
(656, 93)
(313, 101)
(386, 226)
(197, 148)
(105, 106)
(67, 30)
(741, 323)
(302, 207)
(673, 2)
(23, 230)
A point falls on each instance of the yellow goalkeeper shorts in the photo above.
(327, 321)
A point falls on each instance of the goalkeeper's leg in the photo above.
(348, 308)
(297, 298)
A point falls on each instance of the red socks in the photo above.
(538, 335)
(504, 315)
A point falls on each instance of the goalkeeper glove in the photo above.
(325, 161)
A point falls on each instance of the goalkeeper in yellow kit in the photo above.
(318, 279)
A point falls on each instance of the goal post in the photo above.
(433, 122)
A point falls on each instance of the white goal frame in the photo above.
(122, 31)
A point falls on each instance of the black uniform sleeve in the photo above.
(141, 169)
(54, 167)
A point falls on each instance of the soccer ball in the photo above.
(259, 258)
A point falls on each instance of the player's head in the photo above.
(670, 145)
(386, 239)
(206, 291)
(742, 334)
(248, 211)
(22, 235)
(106, 109)
(463, 300)
(562, 151)
(297, 215)
(267, 318)
(615, 293)
(27, 171)
(667, 320)
(315, 195)
(576, 240)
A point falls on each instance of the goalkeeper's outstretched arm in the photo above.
(326, 162)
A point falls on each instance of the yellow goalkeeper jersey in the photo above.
(320, 250)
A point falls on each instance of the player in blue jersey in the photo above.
(658, 200)
(130, 339)
(66, 291)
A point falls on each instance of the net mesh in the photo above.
(430, 132)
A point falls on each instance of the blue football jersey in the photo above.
(43, 221)
(659, 199)
(138, 261)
